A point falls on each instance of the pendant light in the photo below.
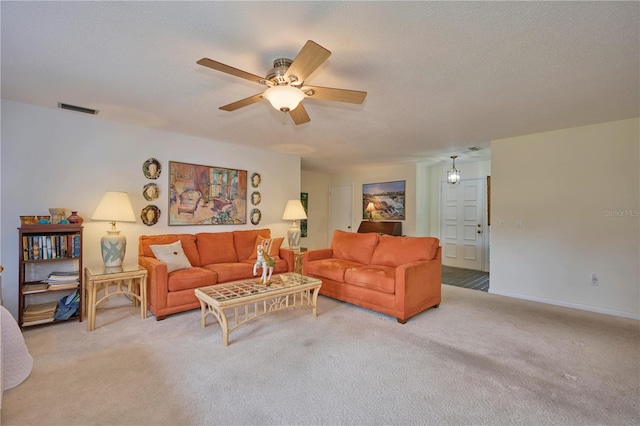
(453, 175)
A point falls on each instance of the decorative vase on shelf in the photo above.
(74, 218)
(57, 215)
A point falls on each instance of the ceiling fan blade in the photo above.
(299, 115)
(331, 94)
(308, 60)
(242, 103)
(218, 66)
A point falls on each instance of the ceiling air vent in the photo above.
(474, 148)
(77, 108)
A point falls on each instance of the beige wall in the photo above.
(56, 158)
(317, 186)
(576, 193)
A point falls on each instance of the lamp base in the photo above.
(113, 247)
(293, 237)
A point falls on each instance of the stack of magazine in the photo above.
(41, 312)
(63, 280)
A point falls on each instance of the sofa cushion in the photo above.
(271, 246)
(188, 245)
(396, 251)
(354, 247)
(171, 254)
(191, 278)
(231, 271)
(216, 247)
(333, 269)
(245, 241)
(373, 277)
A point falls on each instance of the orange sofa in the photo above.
(215, 257)
(397, 276)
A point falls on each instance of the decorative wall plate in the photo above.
(256, 179)
(151, 168)
(151, 191)
(150, 215)
(256, 215)
(256, 197)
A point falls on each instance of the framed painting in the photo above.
(387, 199)
(304, 199)
(206, 195)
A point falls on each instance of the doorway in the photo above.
(340, 209)
(463, 224)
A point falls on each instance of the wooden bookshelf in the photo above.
(45, 249)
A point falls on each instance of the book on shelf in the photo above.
(43, 247)
(40, 312)
(28, 288)
(63, 286)
(62, 277)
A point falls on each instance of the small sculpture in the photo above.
(265, 262)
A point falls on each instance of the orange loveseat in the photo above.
(397, 276)
(215, 257)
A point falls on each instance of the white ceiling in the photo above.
(440, 76)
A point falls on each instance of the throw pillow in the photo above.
(271, 246)
(172, 255)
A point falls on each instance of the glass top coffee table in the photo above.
(238, 302)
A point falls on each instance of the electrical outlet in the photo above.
(594, 279)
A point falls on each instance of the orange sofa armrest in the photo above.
(288, 255)
(419, 281)
(318, 254)
(157, 280)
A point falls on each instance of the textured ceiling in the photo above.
(440, 76)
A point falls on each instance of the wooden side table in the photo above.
(297, 260)
(128, 279)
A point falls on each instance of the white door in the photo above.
(462, 226)
(340, 209)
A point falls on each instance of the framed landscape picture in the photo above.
(206, 195)
(387, 199)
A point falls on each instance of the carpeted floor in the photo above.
(466, 278)
(479, 359)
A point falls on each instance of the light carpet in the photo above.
(478, 359)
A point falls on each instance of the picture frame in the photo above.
(256, 197)
(206, 195)
(256, 180)
(388, 200)
(256, 216)
(150, 215)
(151, 169)
(151, 192)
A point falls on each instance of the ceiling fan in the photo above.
(285, 83)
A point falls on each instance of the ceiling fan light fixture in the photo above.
(284, 98)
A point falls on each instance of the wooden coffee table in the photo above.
(236, 303)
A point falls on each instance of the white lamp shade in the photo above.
(115, 207)
(294, 211)
(284, 98)
(370, 207)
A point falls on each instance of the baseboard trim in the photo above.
(567, 304)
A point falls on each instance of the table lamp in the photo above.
(114, 206)
(370, 208)
(294, 211)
